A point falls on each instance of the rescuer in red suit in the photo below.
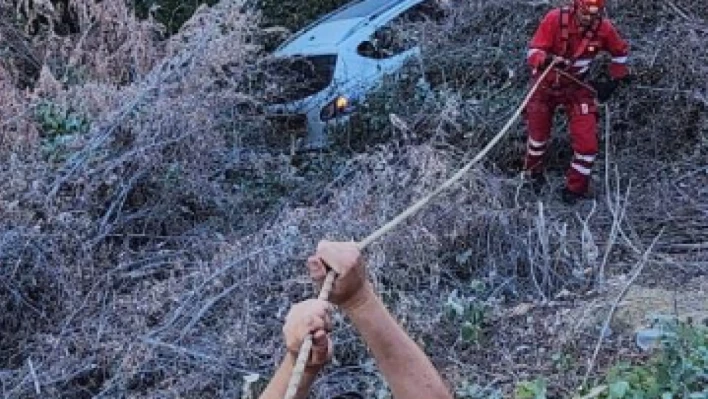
(573, 36)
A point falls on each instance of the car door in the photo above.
(358, 68)
(382, 48)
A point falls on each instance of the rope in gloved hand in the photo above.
(306, 346)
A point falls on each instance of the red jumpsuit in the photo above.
(557, 90)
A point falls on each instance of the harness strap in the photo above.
(564, 30)
(588, 35)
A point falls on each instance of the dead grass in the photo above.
(156, 253)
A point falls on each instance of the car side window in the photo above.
(386, 42)
(426, 11)
(399, 34)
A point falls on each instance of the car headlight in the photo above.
(339, 106)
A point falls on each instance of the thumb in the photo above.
(321, 348)
(316, 268)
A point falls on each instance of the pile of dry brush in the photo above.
(149, 250)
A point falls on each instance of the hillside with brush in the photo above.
(154, 231)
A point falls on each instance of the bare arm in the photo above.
(408, 371)
(311, 316)
(279, 383)
(406, 368)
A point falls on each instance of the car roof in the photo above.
(331, 29)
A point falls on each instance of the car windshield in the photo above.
(294, 78)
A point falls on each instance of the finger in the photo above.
(329, 325)
(295, 327)
(319, 338)
(320, 348)
(323, 310)
(317, 269)
(295, 337)
(324, 253)
(289, 331)
(322, 307)
(316, 323)
(331, 255)
(327, 317)
(292, 342)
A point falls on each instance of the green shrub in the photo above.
(171, 13)
(680, 370)
(469, 390)
(291, 14)
(294, 14)
(531, 390)
(470, 313)
(57, 121)
(59, 128)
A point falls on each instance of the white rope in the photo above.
(304, 353)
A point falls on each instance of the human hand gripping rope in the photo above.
(324, 294)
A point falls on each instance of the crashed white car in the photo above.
(334, 62)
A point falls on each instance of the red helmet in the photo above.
(590, 6)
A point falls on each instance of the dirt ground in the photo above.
(556, 340)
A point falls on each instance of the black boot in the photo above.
(536, 181)
(570, 197)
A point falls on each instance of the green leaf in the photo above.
(470, 332)
(454, 305)
(531, 390)
(618, 390)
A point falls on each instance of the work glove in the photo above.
(605, 89)
(310, 317)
